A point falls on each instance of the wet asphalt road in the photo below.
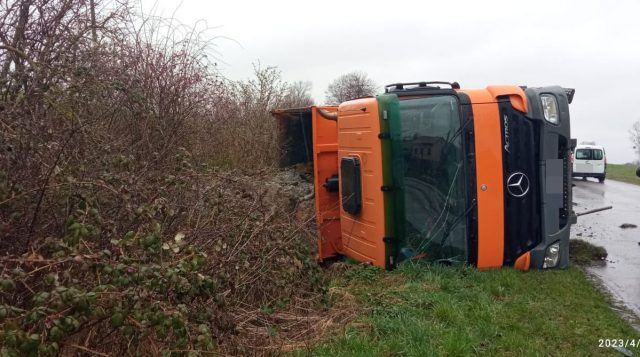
(621, 273)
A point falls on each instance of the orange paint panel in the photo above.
(351, 120)
(361, 250)
(516, 95)
(358, 129)
(523, 262)
(364, 231)
(488, 142)
(325, 165)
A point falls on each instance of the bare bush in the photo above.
(119, 234)
(248, 132)
(349, 86)
(75, 93)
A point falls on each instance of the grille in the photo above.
(520, 152)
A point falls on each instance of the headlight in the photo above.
(550, 108)
(552, 256)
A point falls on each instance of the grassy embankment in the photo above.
(431, 310)
(624, 173)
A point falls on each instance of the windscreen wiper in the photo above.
(450, 227)
(459, 131)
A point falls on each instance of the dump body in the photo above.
(480, 177)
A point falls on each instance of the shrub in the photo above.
(119, 233)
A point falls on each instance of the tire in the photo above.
(601, 179)
(584, 178)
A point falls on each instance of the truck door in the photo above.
(582, 160)
(362, 213)
(598, 161)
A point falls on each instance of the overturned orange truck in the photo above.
(429, 171)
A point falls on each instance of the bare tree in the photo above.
(349, 86)
(298, 95)
(634, 135)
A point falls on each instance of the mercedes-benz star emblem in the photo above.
(518, 184)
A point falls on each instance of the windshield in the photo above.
(434, 179)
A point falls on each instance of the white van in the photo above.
(589, 160)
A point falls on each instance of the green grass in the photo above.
(585, 253)
(422, 310)
(625, 173)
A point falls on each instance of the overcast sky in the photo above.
(593, 46)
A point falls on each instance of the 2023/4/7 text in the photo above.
(618, 342)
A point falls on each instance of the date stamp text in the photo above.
(618, 342)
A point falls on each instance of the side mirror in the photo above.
(638, 171)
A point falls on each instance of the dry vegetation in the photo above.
(130, 223)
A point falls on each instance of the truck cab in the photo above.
(429, 171)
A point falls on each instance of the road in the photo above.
(621, 273)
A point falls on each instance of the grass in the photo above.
(625, 173)
(420, 310)
(585, 253)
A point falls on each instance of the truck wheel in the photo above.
(584, 178)
(601, 179)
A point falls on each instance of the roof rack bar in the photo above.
(423, 84)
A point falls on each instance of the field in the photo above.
(427, 311)
(624, 173)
